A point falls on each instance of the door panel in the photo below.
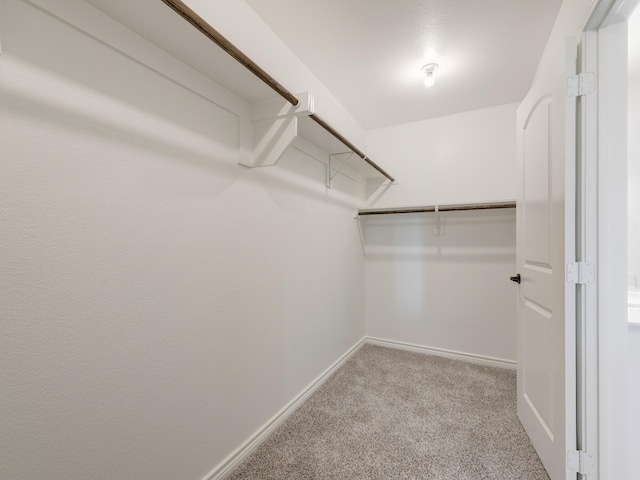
(538, 305)
(537, 384)
(536, 184)
(546, 347)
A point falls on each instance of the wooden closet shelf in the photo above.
(211, 33)
(440, 208)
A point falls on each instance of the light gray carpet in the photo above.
(389, 413)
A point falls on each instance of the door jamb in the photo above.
(603, 140)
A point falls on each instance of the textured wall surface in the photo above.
(634, 183)
(450, 292)
(468, 157)
(634, 399)
(634, 270)
(158, 302)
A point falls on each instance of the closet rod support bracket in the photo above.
(273, 127)
(437, 228)
(274, 108)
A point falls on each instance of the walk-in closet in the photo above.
(297, 239)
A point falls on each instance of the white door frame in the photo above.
(603, 238)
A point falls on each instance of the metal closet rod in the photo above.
(216, 37)
(349, 145)
(441, 208)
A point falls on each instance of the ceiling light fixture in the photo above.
(429, 70)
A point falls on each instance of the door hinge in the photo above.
(581, 272)
(581, 462)
(581, 84)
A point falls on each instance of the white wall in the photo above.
(467, 157)
(634, 399)
(448, 292)
(159, 303)
(634, 182)
(239, 23)
(633, 368)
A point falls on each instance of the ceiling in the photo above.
(369, 53)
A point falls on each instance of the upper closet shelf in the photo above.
(287, 121)
(437, 208)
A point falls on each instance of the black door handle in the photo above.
(515, 279)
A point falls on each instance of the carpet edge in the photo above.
(227, 465)
(467, 357)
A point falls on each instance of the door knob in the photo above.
(515, 279)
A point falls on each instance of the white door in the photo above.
(546, 308)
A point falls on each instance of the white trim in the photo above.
(608, 12)
(442, 352)
(612, 250)
(225, 467)
(588, 433)
(607, 201)
(0, 28)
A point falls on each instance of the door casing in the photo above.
(603, 239)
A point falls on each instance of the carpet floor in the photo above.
(388, 414)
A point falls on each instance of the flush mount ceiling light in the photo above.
(429, 70)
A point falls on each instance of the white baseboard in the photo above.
(467, 357)
(243, 451)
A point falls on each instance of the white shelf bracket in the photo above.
(438, 231)
(274, 126)
(330, 177)
(360, 232)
